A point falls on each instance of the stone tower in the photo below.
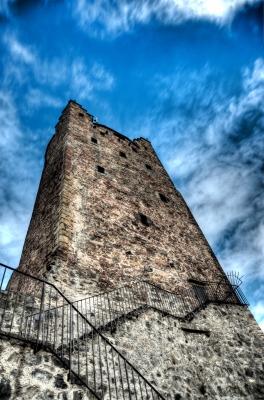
(107, 213)
(108, 219)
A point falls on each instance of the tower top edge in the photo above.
(104, 126)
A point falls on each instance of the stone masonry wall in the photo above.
(91, 231)
(111, 245)
(224, 359)
(41, 246)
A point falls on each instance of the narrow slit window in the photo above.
(144, 219)
(122, 154)
(81, 115)
(94, 140)
(100, 169)
(164, 198)
(148, 166)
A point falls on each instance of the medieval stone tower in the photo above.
(136, 305)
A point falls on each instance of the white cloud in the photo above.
(74, 79)
(15, 184)
(36, 98)
(118, 16)
(19, 51)
(212, 146)
(84, 83)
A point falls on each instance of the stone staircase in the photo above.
(36, 312)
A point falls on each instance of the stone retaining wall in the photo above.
(219, 355)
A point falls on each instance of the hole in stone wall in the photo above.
(135, 150)
(148, 166)
(202, 388)
(100, 169)
(122, 154)
(164, 198)
(93, 140)
(81, 115)
(144, 219)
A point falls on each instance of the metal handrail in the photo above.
(35, 311)
(63, 330)
(105, 310)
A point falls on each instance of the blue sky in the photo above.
(187, 75)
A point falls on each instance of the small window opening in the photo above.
(164, 198)
(200, 294)
(94, 126)
(102, 133)
(101, 169)
(144, 219)
(122, 154)
(81, 115)
(135, 150)
(148, 166)
(93, 140)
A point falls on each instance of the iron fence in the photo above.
(36, 311)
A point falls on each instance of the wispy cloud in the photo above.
(113, 16)
(213, 148)
(42, 77)
(15, 184)
(19, 51)
(84, 83)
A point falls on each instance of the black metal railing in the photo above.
(105, 310)
(36, 311)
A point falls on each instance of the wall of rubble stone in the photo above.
(41, 245)
(25, 375)
(107, 214)
(93, 230)
(219, 355)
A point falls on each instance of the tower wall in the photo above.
(91, 230)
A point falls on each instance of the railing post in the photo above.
(70, 348)
(38, 346)
(109, 306)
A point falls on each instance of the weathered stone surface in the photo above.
(59, 382)
(32, 359)
(77, 395)
(41, 374)
(47, 395)
(92, 230)
(113, 227)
